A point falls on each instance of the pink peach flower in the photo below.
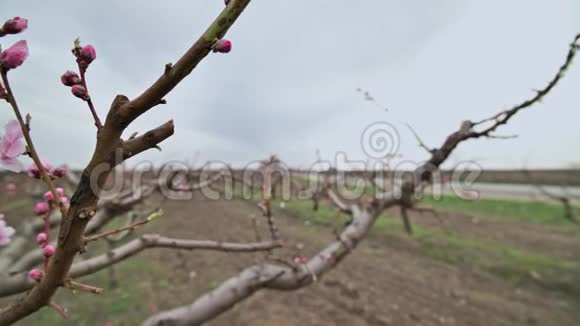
(70, 78)
(11, 146)
(35, 274)
(222, 46)
(48, 196)
(60, 172)
(87, 54)
(34, 171)
(14, 26)
(14, 56)
(41, 208)
(41, 238)
(48, 251)
(80, 92)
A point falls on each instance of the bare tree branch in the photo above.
(20, 283)
(268, 276)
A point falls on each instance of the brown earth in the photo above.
(380, 284)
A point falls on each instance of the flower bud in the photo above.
(41, 239)
(86, 55)
(41, 208)
(60, 172)
(34, 171)
(48, 196)
(70, 78)
(48, 251)
(14, 26)
(14, 56)
(80, 92)
(64, 201)
(222, 46)
(35, 274)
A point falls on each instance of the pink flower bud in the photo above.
(70, 78)
(64, 201)
(222, 46)
(48, 251)
(60, 191)
(80, 92)
(14, 26)
(86, 55)
(14, 56)
(10, 187)
(34, 171)
(300, 260)
(48, 196)
(60, 172)
(41, 208)
(35, 274)
(41, 238)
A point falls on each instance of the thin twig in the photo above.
(98, 123)
(115, 231)
(73, 285)
(421, 143)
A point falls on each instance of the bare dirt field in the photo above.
(467, 270)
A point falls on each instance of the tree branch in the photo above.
(176, 72)
(148, 140)
(20, 283)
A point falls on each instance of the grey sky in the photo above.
(288, 86)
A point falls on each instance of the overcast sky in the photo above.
(289, 85)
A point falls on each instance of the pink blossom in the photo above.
(60, 191)
(10, 187)
(70, 78)
(41, 208)
(48, 251)
(14, 56)
(222, 46)
(5, 233)
(48, 196)
(41, 238)
(64, 201)
(60, 172)
(11, 146)
(300, 260)
(14, 26)
(86, 55)
(34, 171)
(80, 92)
(35, 274)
